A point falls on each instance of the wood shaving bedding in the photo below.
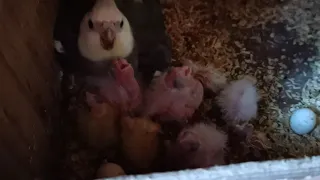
(274, 41)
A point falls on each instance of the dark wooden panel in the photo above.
(29, 95)
(23, 40)
(22, 120)
(14, 141)
(12, 168)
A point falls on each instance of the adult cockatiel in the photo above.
(152, 45)
(90, 34)
(92, 44)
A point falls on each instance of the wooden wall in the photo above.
(29, 90)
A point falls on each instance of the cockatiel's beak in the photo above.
(108, 32)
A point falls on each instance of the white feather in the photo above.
(239, 101)
(58, 46)
(89, 41)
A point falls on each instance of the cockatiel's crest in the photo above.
(105, 33)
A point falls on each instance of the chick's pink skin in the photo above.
(124, 75)
(174, 94)
(122, 90)
(200, 146)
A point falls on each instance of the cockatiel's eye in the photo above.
(121, 24)
(90, 24)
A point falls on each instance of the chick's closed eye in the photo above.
(90, 24)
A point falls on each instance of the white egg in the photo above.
(303, 121)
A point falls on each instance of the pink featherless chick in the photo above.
(239, 102)
(208, 75)
(173, 95)
(120, 89)
(198, 146)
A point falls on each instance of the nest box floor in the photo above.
(275, 41)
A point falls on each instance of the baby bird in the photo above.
(239, 101)
(92, 35)
(198, 146)
(121, 89)
(99, 126)
(140, 142)
(173, 95)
